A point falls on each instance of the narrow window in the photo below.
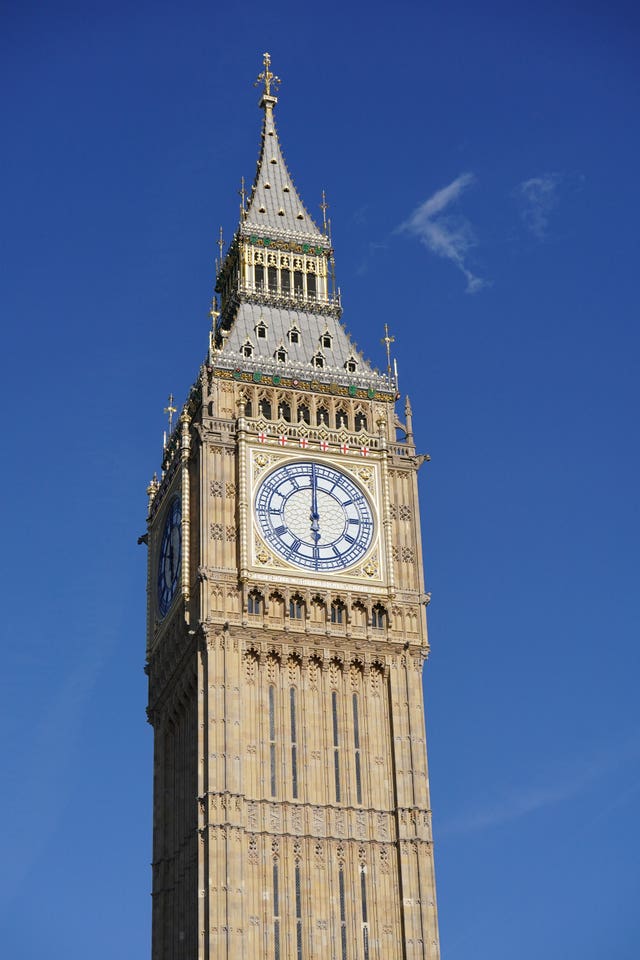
(254, 604)
(285, 281)
(281, 356)
(356, 745)
(351, 366)
(343, 913)
(336, 744)
(285, 412)
(276, 913)
(258, 272)
(337, 612)
(298, 287)
(295, 608)
(311, 286)
(379, 617)
(247, 409)
(261, 331)
(318, 361)
(298, 913)
(326, 338)
(294, 743)
(264, 409)
(294, 335)
(322, 417)
(361, 421)
(273, 279)
(365, 925)
(303, 413)
(272, 739)
(247, 350)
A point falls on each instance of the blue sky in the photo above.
(481, 163)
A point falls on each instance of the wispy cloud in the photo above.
(537, 198)
(450, 236)
(522, 801)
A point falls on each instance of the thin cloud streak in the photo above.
(450, 237)
(538, 197)
(521, 802)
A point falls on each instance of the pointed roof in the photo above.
(274, 204)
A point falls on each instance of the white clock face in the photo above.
(314, 516)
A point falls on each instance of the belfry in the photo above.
(286, 622)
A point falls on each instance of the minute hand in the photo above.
(314, 516)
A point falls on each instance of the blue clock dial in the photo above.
(170, 559)
(314, 516)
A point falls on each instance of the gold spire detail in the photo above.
(170, 410)
(242, 193)
(387, 340)
(267, 77)
(324, 206)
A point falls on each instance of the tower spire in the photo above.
(268, 78)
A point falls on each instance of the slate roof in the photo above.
(274, 203)
(279, 321)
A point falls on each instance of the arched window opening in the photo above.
(378, 617)
(303, 413)
(361, 421)
(284, 411)
(264, 408)
(296, 608)
(322, 417)
(255, 603)
(338, 612)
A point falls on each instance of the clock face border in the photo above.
(268, 563)
(167, 586)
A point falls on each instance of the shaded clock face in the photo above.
(314, 516)
(170, 560)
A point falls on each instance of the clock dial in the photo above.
(170, 560)
(314, 516)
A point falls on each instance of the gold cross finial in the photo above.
(387, 340)
(170, 410)
(214, 313)
(242, 193)
(220, 244)
(324, 206)
(267, 77)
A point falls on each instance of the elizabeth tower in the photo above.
(286, 623)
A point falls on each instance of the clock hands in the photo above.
(314, 516)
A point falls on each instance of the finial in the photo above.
(170, 410)
(324, 207)
(267, 77)
(242, 193)
(220, 244)
(214, 313)
(387, 340)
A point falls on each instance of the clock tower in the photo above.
(286, 623)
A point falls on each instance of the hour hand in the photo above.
(314, 515)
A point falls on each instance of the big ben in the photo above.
(286, 630)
